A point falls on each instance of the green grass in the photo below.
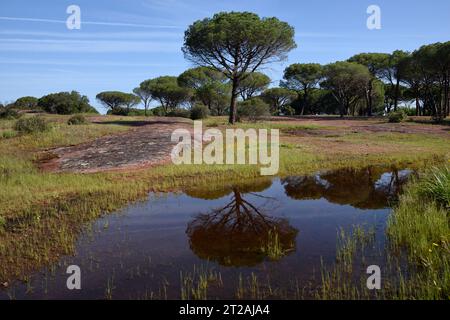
(420, 225)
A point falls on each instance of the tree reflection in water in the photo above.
(369, 188)
(240, 234)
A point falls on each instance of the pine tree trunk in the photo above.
(233, 104)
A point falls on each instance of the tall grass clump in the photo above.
(436, 186)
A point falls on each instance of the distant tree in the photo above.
(65, 103)
(393, 71)
(145, 95)
(322, 101)
(375, 62)
(166, 90)
(412, 77)
(433, 64)
(253, 84)
(115, 100)
(303, 78)
(26, 103)
(210, 87)
(278, 98)
(132, 101)
(237, 43)
(347, 81)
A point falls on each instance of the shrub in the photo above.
(158, 111)
(253, 109)
(118, 111)
(77, 119)
(397, 116)
(138, 112)
(179, 112)
(9, 114)
(65, 103)
(199, 111)
(31, 125)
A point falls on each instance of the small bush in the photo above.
(179, 112)
(397, 116)
(76, 120)
(31, 125)
(9, 114)
(199, 111)
(253, 109)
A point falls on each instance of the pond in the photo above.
(266, 238)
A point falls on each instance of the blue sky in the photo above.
(122, 43)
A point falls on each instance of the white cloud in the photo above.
(99, 23)
(89, 46)
(95, 35)
(81, 63)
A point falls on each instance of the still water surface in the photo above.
(151, 248)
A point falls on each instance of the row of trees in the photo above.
(58, 103)
(365, 84)
(230, 47)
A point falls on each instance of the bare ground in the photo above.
(146, 144)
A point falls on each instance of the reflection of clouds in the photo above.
(387, 178)
(324, 183)
(89, 46)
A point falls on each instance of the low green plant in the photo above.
(76, 120)
(31, 125)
